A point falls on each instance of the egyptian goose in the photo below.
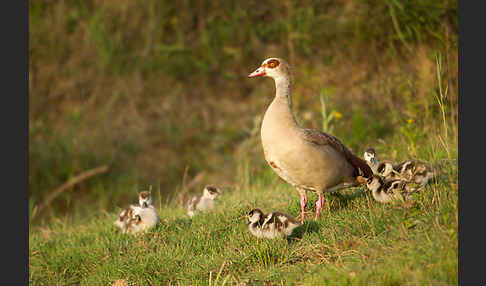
(143, 219)
(127, 218)
(144, 199)
(384, 169)
(415, 171)
(411, 170)
(203, 202)
(307, 159)
(385, 191)
(272, 225)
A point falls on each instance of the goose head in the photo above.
(210, 192)
(272, 67)
(370, 156)
(254, 216)
(145, 199)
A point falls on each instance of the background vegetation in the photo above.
(157, 91)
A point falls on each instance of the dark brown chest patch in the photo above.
(273, 165)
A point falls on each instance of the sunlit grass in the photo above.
(158, 92)
(356, 241)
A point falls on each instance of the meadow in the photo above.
(157, 92)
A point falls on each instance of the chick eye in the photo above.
(273, 64)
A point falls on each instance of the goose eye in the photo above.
(273, 64)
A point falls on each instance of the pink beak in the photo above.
(259, 72)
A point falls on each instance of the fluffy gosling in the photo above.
(127, 218)
(203, 202)
(384, 169)
(415, 171)
(272, 225)
(411, 170)
(142, 220)
(385, 191)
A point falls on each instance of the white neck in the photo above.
(283, 85)
(279, 113)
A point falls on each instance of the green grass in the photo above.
(357, 241)
(136, 84)
(157, 90)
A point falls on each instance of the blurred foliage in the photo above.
(158, 89)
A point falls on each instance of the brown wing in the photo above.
(126, 213)
(191, 206)
(392, 185)
(289, 217)
(320, 138)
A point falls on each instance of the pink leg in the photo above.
(319, 205)
(303, 204)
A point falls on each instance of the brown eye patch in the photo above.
(212, 189)
(273, 64)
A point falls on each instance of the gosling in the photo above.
(203, 202)
(272, 225)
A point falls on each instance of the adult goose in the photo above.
(307, 159)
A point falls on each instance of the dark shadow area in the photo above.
(350, 193)
(342, 198)
(309, 226)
